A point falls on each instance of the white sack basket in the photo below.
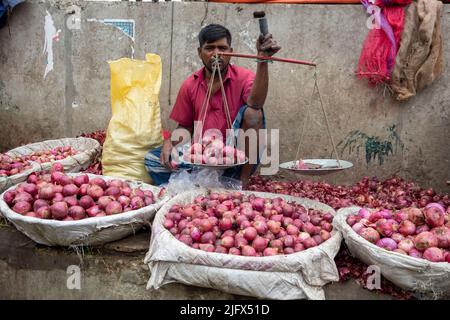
(90, 231)
(295, 276)
(89, 149)
(414, 274)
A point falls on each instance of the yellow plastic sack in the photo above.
(135, 125)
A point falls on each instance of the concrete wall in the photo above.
(33, 108)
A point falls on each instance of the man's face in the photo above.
(209, 49)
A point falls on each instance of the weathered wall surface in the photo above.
(380, 136)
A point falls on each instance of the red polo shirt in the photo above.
(237, 84)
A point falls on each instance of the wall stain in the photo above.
(374, 147)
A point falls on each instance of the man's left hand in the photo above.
(266, 46)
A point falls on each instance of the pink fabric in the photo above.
(238, 83)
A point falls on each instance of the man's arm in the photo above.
(265, 46)
(168, 145)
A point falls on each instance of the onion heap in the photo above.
(55, 154)
(55, 195)
(420, 233)
(233, 223)
(393, 193)
(10, 166)
(212, 151)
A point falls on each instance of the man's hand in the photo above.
(266, 46)
(166, 150)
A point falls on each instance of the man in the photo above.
(245, 93)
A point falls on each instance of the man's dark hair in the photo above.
(214, 32)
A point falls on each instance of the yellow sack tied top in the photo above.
(135, 125)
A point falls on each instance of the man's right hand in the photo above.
(165, 154)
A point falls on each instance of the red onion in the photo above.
(259, 243)
(86, 202)
(239, 242)
(77, 212)
(415, 253)
(44, 212)
(227, 242)
(168, 223)
(288, 241)
(70, 190)
(225, 224)
(406, 245)
(234, 251)
(425, 240)
(364, 213)
(126, 191)
(369, 234)
(58, 198)
(114, 207)
(39, 203)
(260, 226)
(80, 180)
(326, 226)
(397, 237)
(206, 225)
(9, 196)
(434, 254)
(31, 189)
(56, 177)
(71, 201)
(250, 233)
(270, 252)
(273, 226)
(298, 247)
(400, 216)
(23, 197)
(59, 210)
(407, 228)
(124, 200)
(351, 220)
(328, 217)
(400, 251)
(248, 251)
(186, 239)
(46, 193)
(99, 182)
(324, 235)
(137, 203)
(148, 201)
(113, 192)
(309, 243)
(422, 228)
(387, 243)
(83, 190)
(93, 211)
(278, 244)
(220, 249)
(115, 183)
(415, 216)
(208, 237)
(434, 215)
(22, 207)
(65, 180)
(385, 227)
(443, 236)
